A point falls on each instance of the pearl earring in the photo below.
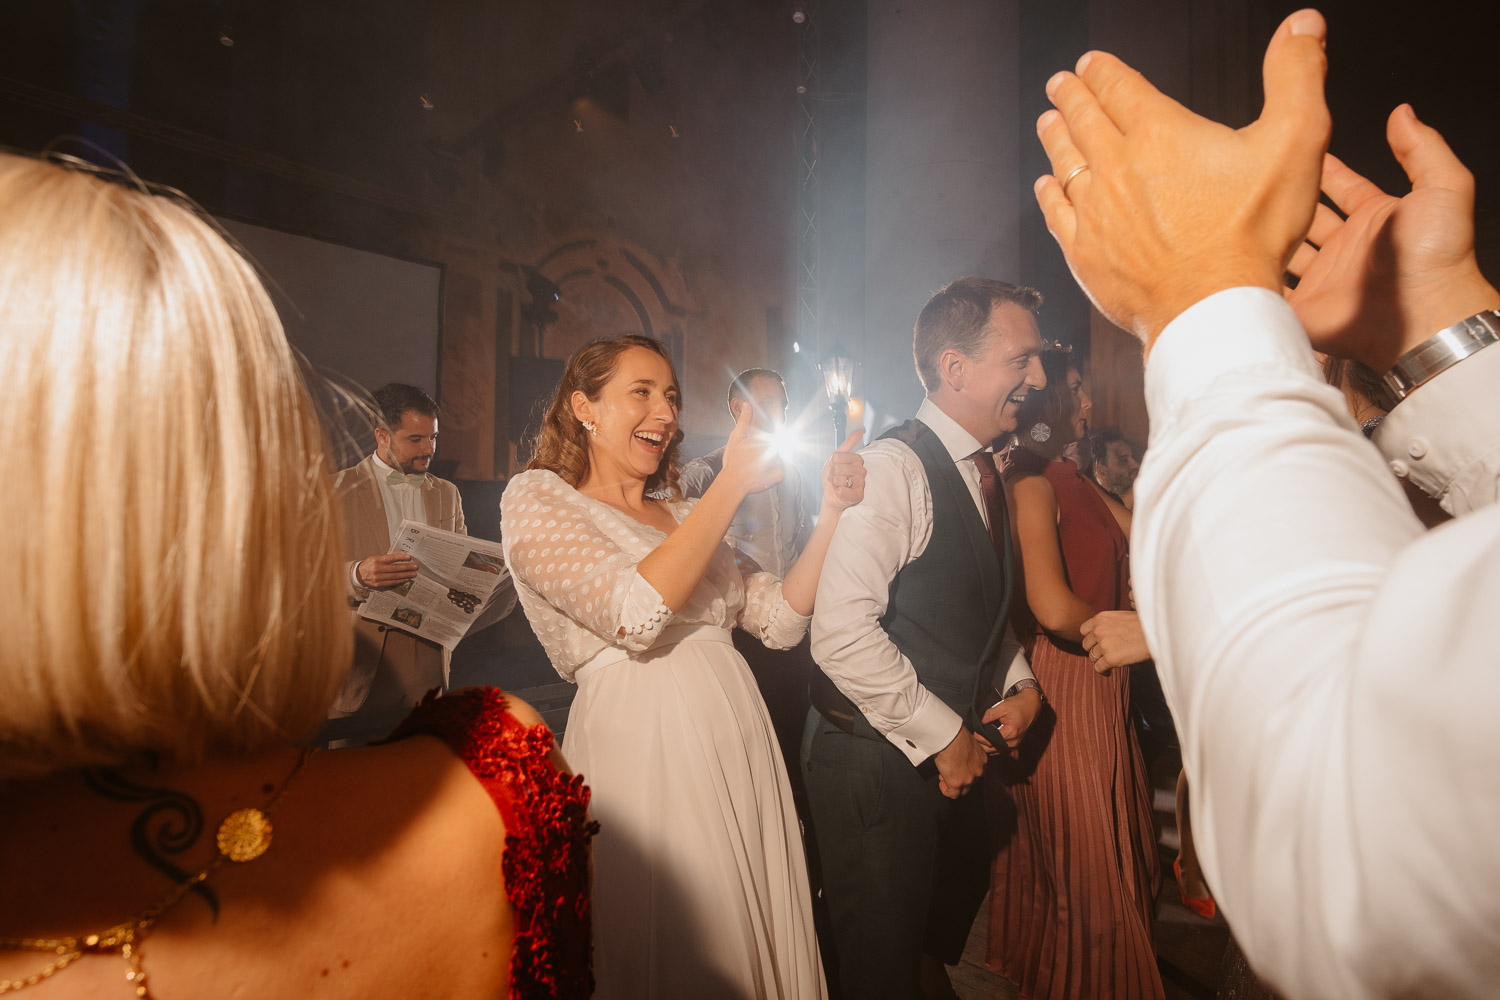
(589, 426)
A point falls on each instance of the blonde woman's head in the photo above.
(168, 530)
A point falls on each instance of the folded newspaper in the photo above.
(461, 586)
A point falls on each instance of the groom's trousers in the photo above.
(905, 869)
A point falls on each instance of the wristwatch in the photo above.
(1442, 351)
(1023, 684)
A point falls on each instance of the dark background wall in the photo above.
(640, 157)
(547, 173)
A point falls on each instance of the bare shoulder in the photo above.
(522, 710)
(403, 829)
(393, 797)
(1033, 488)
(385, 863)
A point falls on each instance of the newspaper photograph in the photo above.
(461, 586)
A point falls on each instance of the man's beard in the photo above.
(406, 468)
(1118, 485)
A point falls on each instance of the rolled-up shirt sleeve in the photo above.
(875, 539)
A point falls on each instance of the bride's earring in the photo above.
(1040, 432)
(590, 426)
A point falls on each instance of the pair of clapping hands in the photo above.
(751, 457)
(1156, 208)
(1162, 208)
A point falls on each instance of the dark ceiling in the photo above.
(385, 94)
(388, 97)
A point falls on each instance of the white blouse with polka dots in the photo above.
(575, 562)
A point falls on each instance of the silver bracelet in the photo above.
(1442, 351)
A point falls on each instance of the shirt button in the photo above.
(1399, 468)
(1417, 449)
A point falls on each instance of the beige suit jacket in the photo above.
(405, 660)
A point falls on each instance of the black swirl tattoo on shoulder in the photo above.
(169, 823)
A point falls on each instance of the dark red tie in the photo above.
(992, 489)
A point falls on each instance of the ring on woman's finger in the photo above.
(1072, 175)
(848, 482)
(1094, 653)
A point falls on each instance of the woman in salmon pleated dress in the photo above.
(1072, 909)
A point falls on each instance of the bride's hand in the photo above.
(750, 463)
(844, 475)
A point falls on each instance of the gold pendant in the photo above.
(244, 835)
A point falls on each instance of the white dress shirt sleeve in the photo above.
(1446, 434)
(1332, 670)
(875, 539)
(1010, 663)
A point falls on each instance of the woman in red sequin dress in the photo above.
(1073, 903)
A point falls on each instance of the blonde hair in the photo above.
(169, 530)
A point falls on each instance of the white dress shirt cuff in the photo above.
(1012, 663)
(1443, 435)
(930, 729)
(1235, 331)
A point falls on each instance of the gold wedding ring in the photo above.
(1072, 174)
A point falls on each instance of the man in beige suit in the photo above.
(392, 668)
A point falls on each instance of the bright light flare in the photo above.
(784, 442)
(789, 444)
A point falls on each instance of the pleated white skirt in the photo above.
(700, 882)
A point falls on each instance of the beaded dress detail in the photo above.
(546, 863)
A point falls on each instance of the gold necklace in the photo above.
(244, 835)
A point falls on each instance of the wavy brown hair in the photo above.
(1051, 405)
(561, 446)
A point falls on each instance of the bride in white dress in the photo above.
(700, 883)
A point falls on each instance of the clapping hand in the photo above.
(844, 475)
(750, 460)
(1394, 271)
(1163, 208)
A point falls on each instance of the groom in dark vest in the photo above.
(921, 678)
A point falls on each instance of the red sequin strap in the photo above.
(546, 860)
